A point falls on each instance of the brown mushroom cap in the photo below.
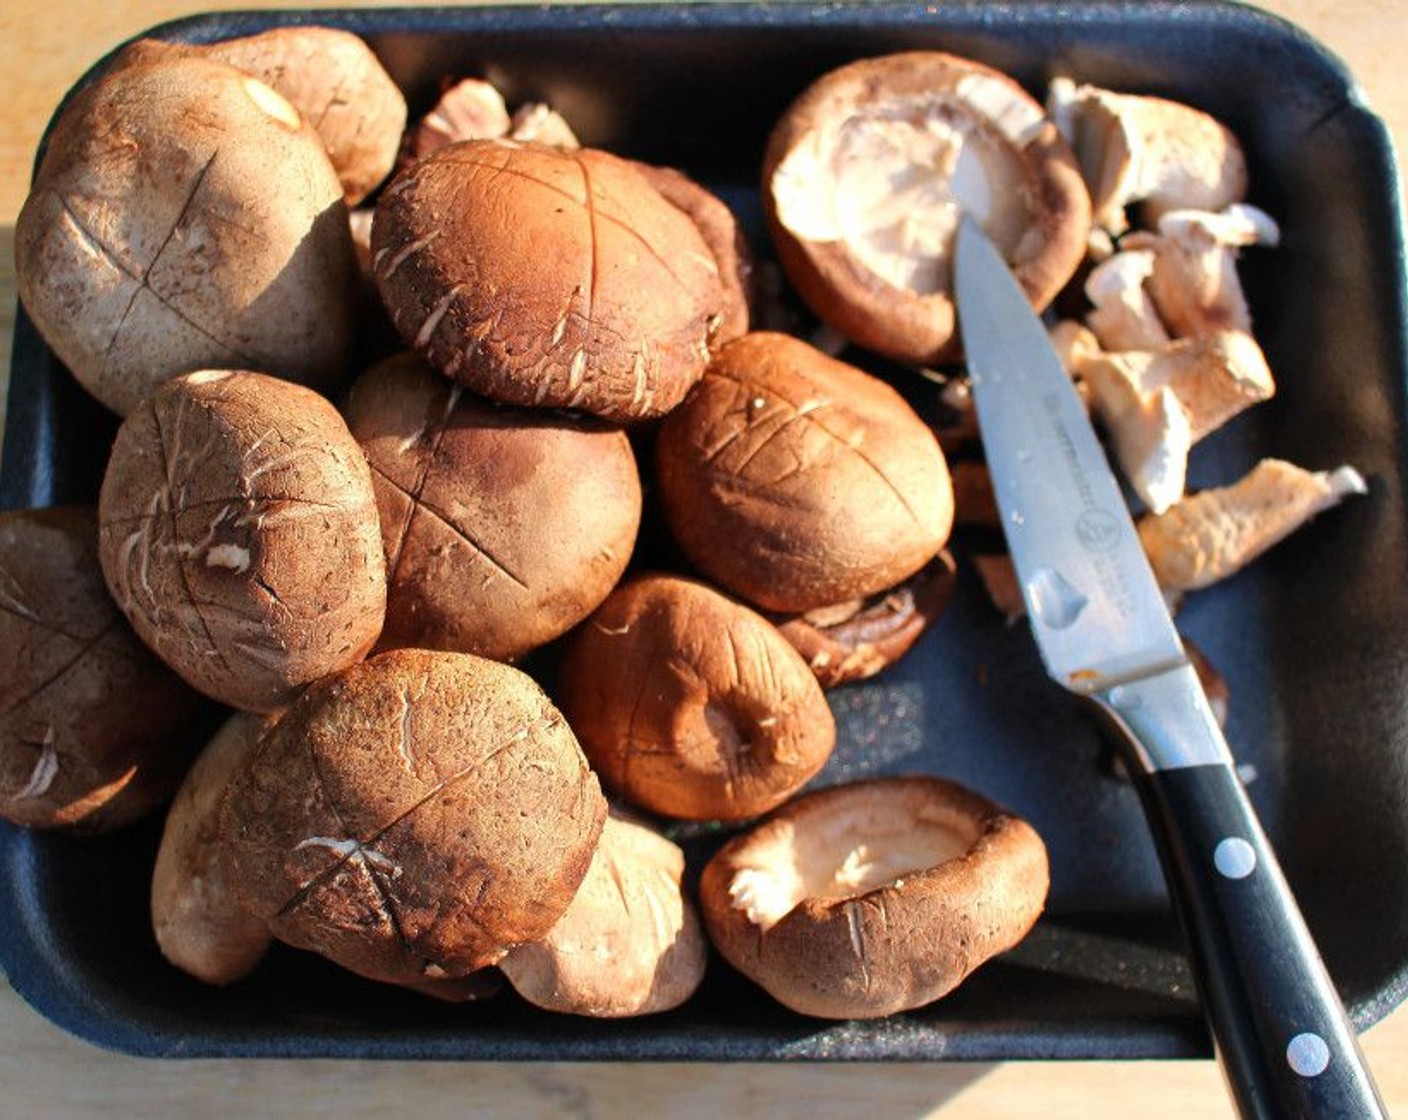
(335, 81)
(184, 217)
(95, 732)
(414, 817)
(863, 900)
(502, 527)
(797, 482)
(238, 533)
(692, 705)
(200, 924)
(630, 943)
(867, 173)
(537, 276)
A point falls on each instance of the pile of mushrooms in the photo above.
(357, 560)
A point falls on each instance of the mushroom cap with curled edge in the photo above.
(868, 172)
(336, 82)
(866, 899)
(551, 278)
(238, 533)
(797, 482)
(690, 704)
(503, 527)
(94, 731)
(201, 925)
(184, 216)
(630, 943)
(414, 817)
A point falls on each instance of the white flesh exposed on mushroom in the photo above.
(1124, 317)
(1149, 430)
(1074, 342)
(1156, 404)
(1208, 536)
(846, 856)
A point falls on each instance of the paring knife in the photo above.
(1104, 632)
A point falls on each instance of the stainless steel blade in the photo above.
(1097, 613)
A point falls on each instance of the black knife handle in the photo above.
(1287, 1048)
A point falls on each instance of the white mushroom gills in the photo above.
(891, 180)
(846, 855)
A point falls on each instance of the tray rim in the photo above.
(46, 991)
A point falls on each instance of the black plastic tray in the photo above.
(1313, 640)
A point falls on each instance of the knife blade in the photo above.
(1105, 633)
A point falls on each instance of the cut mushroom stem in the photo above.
(1194, 283)
(1123, 316)
(1133, 148)
(1074, 342)
(1210, 535)
(1150, 432)
(1157, 404)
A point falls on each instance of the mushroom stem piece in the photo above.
(1194, 283)
(1146, 149)
(1210, 535)
(1157, 404)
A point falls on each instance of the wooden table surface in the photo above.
(46, 1073)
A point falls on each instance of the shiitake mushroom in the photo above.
(184, 216)
(547, 277)
(691, 705)
(797, 482)
(629, 944)
(414, 817)
(94, 731)
(503, 527)
(201, 926)
(866, 175)
(238, 533)
(875, 897)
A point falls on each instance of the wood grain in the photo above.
(46, 1073)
